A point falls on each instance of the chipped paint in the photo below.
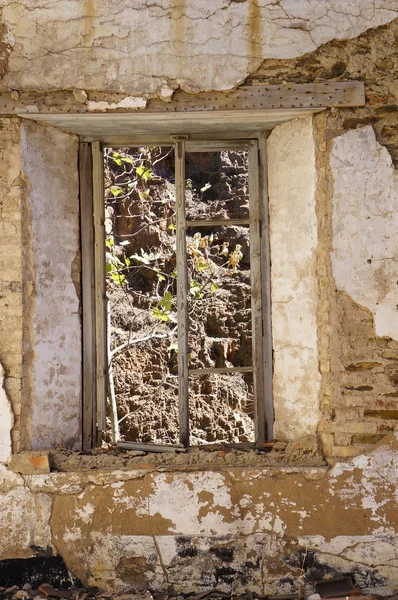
(6, 422)
(129, 102)
(365, 222)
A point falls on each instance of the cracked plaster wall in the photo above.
(6, 421)
(235, 529)
(49, 164)
(365, 225)
(149, 49)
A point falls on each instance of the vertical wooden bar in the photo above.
(266, 279)
(182, 293)
(99, 285)
(256, 290)
(88, 302)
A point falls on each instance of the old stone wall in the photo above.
(11, 279)
(356, 254)
(235, 528)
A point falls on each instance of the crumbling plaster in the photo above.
(49, 163)
(6, 421)
(365, 225)
(237, 528)
(149, 49)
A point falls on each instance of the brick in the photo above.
(342, 439)
(348, 451)
(384, 415)
(30, 463)
(367, 438)
(354, 427)
(363, 366)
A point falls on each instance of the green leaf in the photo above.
(118, 278)
(161, 277)
(108, 268)
(143, 172)
(109, 242)
(172, 227)
(160, 314)
(127, 159)
(116, 191)
(127, 260)
(214, 287)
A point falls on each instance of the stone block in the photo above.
(30, 463)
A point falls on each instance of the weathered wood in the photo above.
(99, 285)
(260, 97)
(254, 97)
(182, 293)
(256, 276)
(216, 370)
(150, 447)
(88, 300)
(266, 288)
(217, 222)
(194, 146)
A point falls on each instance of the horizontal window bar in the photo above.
(220, 370)
(216, 222)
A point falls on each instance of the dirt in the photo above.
(303, 452)
(141, 223)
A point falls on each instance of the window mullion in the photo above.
(266, 283)
(99, 287)
(256, 289)
(182, 292)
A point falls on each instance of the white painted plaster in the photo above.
(365, 225)
(354, 553)
(129, 102)
(6, 422)
(24, 521)
(379, 470)
(293, 241)
(139, 48)
(49, 161)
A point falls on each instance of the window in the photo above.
(206, 269)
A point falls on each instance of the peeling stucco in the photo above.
(141, 49)
(6, 421)
(365, 222)
(49, 162)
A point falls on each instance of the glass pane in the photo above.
(219, 297)
(217, 185)
(221, 408)
(141, 290)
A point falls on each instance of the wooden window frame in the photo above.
(91, 168)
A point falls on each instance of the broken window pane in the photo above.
(217, 185)
(221, 408)
(219, 297)
(141, 291)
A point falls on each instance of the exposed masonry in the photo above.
(365, 222)
(237, 528)
(151, 49)
(359, 369)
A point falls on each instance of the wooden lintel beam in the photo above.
(256, 97)
(261, 97)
